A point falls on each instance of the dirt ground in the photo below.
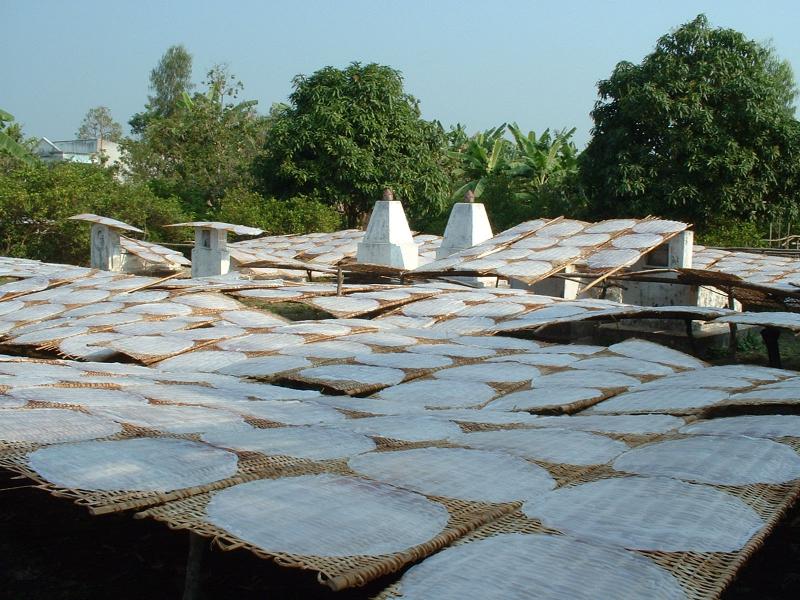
(51, 549)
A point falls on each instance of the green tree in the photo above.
(702, 130)
(169, 81)
(205, 146)
(348, 134)
(99, 124)
(35, 201)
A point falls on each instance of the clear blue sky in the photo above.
(480, 63)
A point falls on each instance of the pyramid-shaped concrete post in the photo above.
(467, 226)
(388, 240)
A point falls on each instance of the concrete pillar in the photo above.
(210, 254)
(388, 240)
(680, 250)
(467, 226)
(106, 252)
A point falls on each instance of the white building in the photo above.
(81, 151)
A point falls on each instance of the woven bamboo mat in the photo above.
(336, 572)
(250, 466)
(702, 576)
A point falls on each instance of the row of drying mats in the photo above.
(356, 447)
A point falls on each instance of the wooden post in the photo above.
(770, 336)
(339, 281)
(690, 336)
(732, 340)
(194, 567)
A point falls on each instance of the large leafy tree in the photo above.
(170, 79)
(702, 130)
(99, 124)
(205, 146)
(348, 134)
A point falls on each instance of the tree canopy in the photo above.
(205, 146)
(702, 130)
(99, 124)
(348, 134)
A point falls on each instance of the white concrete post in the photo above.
(680, 250)
(106, 252)
(210, 254)
(467, 226)
(388, 240)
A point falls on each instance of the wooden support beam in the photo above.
(194, 567)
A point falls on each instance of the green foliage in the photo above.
(481, 158)
(99, 124)
(169, 80)
(533, 176)
(348, 134)
(203, 148)
(703, 130)
(35, 201)
(10, 140)
(294, 215)
(741, 234)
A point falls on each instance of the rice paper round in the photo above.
(621, 424)
(546, 397)
(77, 396)
(490, 372)
(264, 366)
(363, 374)
(762, 426)
(172, 419)
(722, 460)
(406, 428)
(620, 364)
(261, 342)
(330, 349)
(143, 464)
(458, 350)
(549, 445)
(661, 400)
(462, 473)
(649, 513)
(288, 412)
(637, 240)
(405, 360)
(511, 566)
(53, 426)
(326, 515)
(635, 348)
(586, 377)
(439, 393)
(309, 442)
(202, 360)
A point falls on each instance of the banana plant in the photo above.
(541, 158)
(9, 145)
(484, 156)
